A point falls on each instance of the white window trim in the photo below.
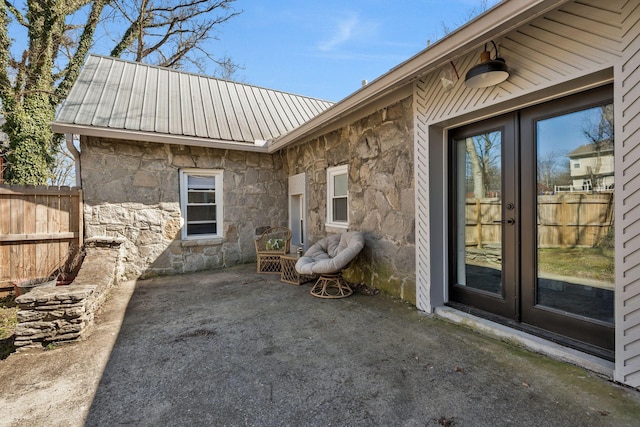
(331, 172)
(217, 173)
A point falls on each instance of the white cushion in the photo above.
(331, 254)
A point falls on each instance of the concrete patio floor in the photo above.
(234, 348)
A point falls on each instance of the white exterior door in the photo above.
(297, 209)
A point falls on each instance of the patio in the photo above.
(234, 347)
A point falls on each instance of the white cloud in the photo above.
(345, 30)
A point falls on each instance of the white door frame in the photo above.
(297, 211)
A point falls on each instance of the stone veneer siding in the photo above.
(65, 313)
(379, 152)
(131, 191)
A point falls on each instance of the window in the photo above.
(576, 164)
(337, 196)
(201, 203)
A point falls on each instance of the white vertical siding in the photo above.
(556, 48)
(627, 155)
(566, 50)
(421, 169)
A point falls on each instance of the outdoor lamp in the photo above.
(489, 72)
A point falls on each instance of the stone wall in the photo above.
(379, 152)
(65, 313)
(131, 191)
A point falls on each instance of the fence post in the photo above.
(479, 222)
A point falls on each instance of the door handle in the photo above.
(509, 221)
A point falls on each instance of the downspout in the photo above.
(76, 156)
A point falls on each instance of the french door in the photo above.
(532, 219)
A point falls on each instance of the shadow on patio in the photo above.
(236, 348)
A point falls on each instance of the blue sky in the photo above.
(325, 49)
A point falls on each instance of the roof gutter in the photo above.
(493, 24)
(100, 132)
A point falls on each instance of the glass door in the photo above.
(484, 215)
(568, 258)
(532, 219)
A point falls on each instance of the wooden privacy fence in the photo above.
(564, 220)
(40, 227)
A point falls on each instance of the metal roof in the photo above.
(126, 96)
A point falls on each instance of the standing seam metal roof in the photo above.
(115, 94)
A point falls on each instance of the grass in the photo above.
(8, 321)
(586, 263)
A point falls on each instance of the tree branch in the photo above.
(5, 60)
(72, 69)
(16, 14)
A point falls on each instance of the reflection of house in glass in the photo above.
(591, 168)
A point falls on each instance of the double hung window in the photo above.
(338, 196)
(201, 203)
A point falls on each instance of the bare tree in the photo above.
(34, 80)
(64, 170)
(484, 153)
(601, 136)
(553, 168)
(171, 33)
(482, 7)
(30, 86)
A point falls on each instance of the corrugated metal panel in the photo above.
(219, 110)
(112, 93)
(242, 119)
(175, 107)
(136, 102)
(627, 194)
(123, 95)
(280, 120)
(161, 118)
(150, 97)
(197, 106)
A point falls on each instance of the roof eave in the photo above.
(498, 21)
(123, 134)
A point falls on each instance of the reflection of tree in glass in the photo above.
(553, 169)
(483, 163)
(600, 136)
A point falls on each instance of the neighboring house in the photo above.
(592, 167)
(186, 181)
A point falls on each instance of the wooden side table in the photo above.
(288, 271)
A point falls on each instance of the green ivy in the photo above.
(28, 89)
(32, 144)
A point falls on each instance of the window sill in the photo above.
(203, 241)
(336, 228)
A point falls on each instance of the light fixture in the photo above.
(447, 77)
(489, 72)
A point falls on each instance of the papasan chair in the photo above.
(327, 258)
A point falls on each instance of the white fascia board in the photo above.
(124, 134)
(496, 22)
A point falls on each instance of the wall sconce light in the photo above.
(489, 72)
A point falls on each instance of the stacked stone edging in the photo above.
(64, 313)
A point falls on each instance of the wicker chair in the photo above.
(270, 245)
(328, 258)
